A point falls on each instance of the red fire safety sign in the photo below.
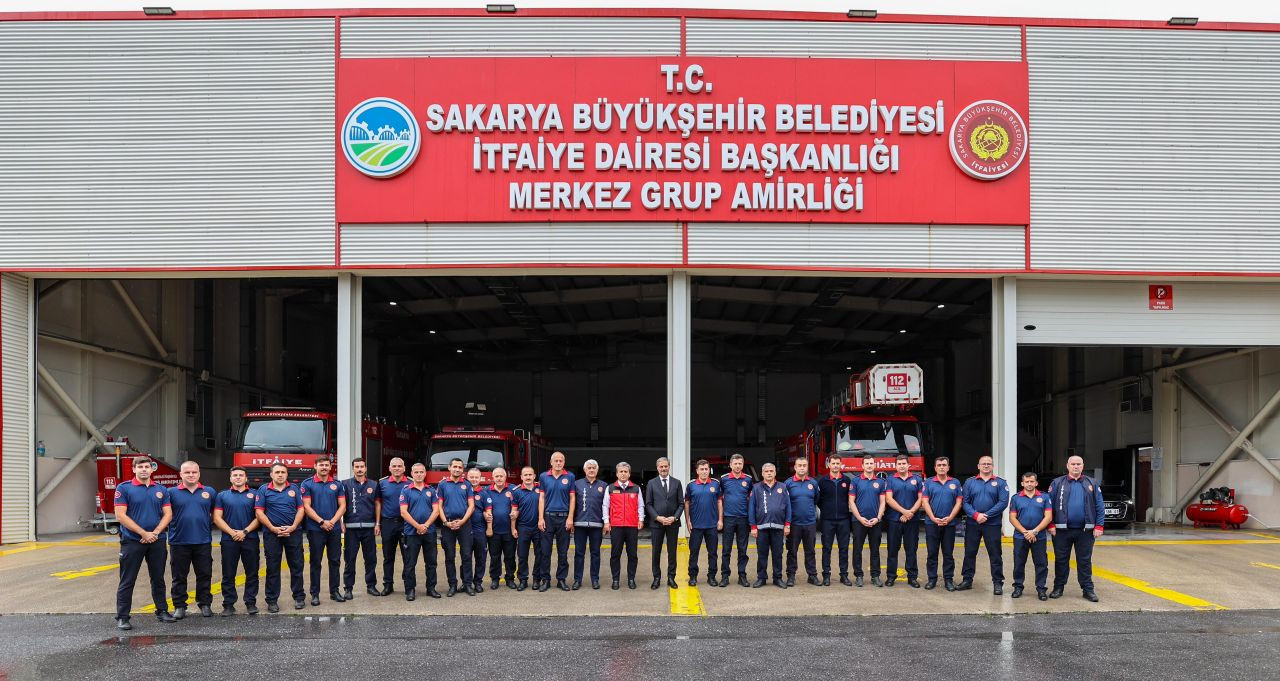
(1160, 297)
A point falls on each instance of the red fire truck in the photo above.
(486, 448)
(870, 417)
(297, 437)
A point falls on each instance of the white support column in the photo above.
(350, 353)
(679, 350)
(1004, 383)
(1165, 406)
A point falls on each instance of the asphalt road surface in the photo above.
(1234, 645)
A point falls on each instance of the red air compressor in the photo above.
(1218, 507)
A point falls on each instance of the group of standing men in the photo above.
(500, 523)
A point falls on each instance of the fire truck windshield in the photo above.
(483, 454)
(879, 437)
(305, 436)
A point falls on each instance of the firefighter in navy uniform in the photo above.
(902, 520)
(803, 493)
(479, 526)
(324, 501)
(769, 509)
(553, 520)
(419, 508)
(362, 496)
(456, 506)
(1030, 512)
(623, 511)
(528, 498)
(234, 516)
(833, 503)
(866, 504)
(705, 511)
(735, 490)
(587, 518)
(941, 503)
(279, 509)
(1078, 516)
(390, 525)
(500, 530)
(143, 509)
(985, 496)
(191, 540)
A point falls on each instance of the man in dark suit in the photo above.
(664, 503)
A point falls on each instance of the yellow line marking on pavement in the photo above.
(1189, 542)
(1266, 565)
(85, 572)
(1145, 587)
(685, 600)
(37, 545)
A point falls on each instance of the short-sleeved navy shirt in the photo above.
(237, 510)
(279, 505)
(866, 493)
(144, 503)
(324, 496)
(192, 515)
(499, 503)
(419, 501)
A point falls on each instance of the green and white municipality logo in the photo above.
(380, 137)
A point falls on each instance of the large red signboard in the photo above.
(662, 139)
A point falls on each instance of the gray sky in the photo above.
(1221, 10)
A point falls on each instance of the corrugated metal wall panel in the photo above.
(856, 40)
(509, 36)
(518, 243)
(16, 447)
(1116, 313)
(1155, 150)
(857, 246)
(166, 143)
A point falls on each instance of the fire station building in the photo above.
(639, 233)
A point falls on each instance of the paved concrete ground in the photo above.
(1169, 569)
(1235, 645)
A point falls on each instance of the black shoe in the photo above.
(997, 590)
(693, 581)
(951, 585)
(347, 595)
(595, 584)
(122, 623)
(913, 583)
(272, 607)
(779, 583)
(164, 616)
(577, 584)
(433, 593)
(546, 584)
(888, 581)
(560, 584)
(479, 586)
(844, 579)
(791, 580)
(471, 590)
(631, 583)
(522, 585)
(494, 584)
(671, 583)
(453, 590)
(931, 585)
(511, 583)
(1091, 596)
(1017, 592)
(964, 585)
(742, 581)
(614, 585)
(206, 611)
(251, 609)
(337, 596)
(813, 579)
(180, 612)
(826, 581)
(657, 582)
(1056, 593)
(875, 581)
(298, 605)
(757, 584)
(857, 581)
(315, 599)
(712, 581)
(1042, 595)
(372, 591)
(387, 590)
(410, 594)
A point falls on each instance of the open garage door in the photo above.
(1165, 388)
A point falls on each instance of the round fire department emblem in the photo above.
(809, 486)
(159, 495)
(778, 491)
(380, 137)
(952, 485)
(204, 495)
(744, 483)
(290, 492)
(875, 485)
(119, 494)
(564, 481)
(993, 483)
(368, 490)
(988, 140)
(249, 495)
(913, 482)
(1039, 500)
(333, 486)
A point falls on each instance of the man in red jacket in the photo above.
(623, 511)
